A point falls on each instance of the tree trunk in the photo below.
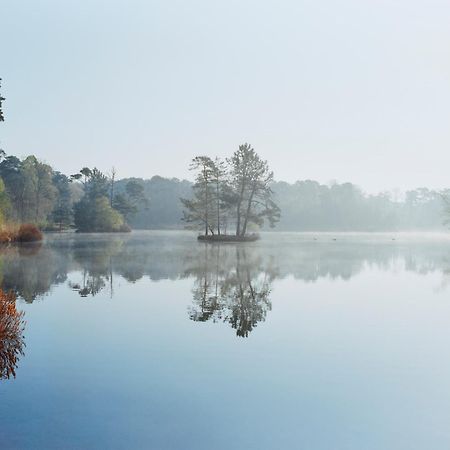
(206, 217)
(218, 207)
(111, 194)
(249, 205)
(238, 225)
(205, 177)
(36, 211)
(22, 205)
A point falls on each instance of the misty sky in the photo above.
(348, 90)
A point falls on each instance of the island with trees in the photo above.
(231, 199)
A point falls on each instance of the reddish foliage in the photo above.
(6, 236)
(11, 334)
(29, 233)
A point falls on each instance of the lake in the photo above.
(152, 340)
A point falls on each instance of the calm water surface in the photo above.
(299, 341)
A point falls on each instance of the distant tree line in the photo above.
(32, 191)
(309, 206)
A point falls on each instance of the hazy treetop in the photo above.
(351, 90)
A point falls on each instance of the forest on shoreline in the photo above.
(31, 191)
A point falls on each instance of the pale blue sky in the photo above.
(350, 90)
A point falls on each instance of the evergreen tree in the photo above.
(5, 204)
(12, 175)
(198, 210)
(62, 213)
(39, 192)
(221, 194)
(251, 180)
(30, 188)
(93, 213)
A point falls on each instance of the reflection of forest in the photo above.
(30, 272)
(232, 284)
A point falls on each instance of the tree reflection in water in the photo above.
(96, 263)
(12, 343)
(232, 284)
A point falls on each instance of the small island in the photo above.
(228, 238)
(233, 194)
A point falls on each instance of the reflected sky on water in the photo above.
(153, 340)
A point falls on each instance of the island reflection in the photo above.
(232, 284)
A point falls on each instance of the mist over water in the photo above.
(314, 340)
(33, 270)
